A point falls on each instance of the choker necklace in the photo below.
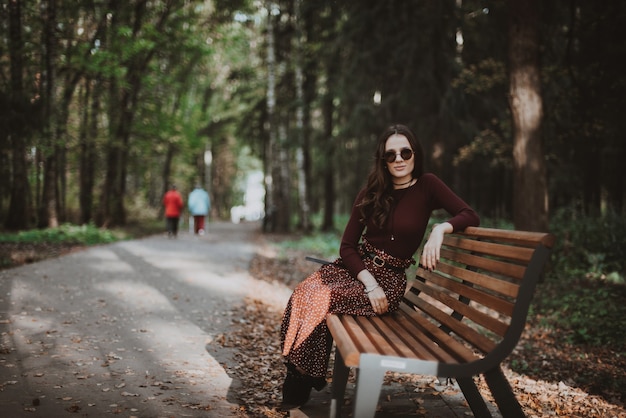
(403, 184)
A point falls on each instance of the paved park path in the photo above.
(126, 329)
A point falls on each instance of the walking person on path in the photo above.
(199, 205)
(386, 226)
(173, 202)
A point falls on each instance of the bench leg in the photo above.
(473, 397)
(369, 383)
(503, 394)
(340, 380)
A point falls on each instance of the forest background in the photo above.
(104, 103)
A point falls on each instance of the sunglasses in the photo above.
(405, 153)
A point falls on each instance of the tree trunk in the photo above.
(18, 214)
(109, 194)
(302, 108)
(89, 132)
(530, 201)
(62, 114)
(328, 112)
(48, 214)
(328, 223)
(114, 191)
(269, 223)
(282, 186)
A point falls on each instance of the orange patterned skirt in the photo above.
(305, 339)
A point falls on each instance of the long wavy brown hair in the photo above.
(378, 199)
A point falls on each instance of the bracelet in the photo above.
(371, 290)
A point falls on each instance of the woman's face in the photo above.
(400, 169)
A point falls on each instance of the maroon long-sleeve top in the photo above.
(403, 233)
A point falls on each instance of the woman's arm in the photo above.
(461, 216)
(432, 248)
(349, 248)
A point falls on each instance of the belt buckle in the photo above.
(379, 262)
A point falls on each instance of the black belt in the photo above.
(379, 262)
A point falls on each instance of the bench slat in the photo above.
(510, 252)
(455, 351)
(423, 346)
(464, 331)
(527, 238)
(373, 335)
(479, 296)
(394, 335)
(467, 311)
(362, 341)
(414, 338)
(494, 266)
(485, 281)
(343, 341)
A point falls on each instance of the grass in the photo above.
(22, 247)
(88, 234)
(66, 233)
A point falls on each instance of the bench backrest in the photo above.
(481, 291)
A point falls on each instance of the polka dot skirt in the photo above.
(305, 339)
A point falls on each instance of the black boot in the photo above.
(318, 383)
(296, 389)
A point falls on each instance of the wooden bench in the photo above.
(459, 321)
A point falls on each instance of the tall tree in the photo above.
(88, 131)
(529, 180)
(18, 213)
(49, 204)
(329, 143)
(133, 23)
(302, 107)
(269, 154)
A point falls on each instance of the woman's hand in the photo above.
(378, 299)
(432, 248)
(374, 292)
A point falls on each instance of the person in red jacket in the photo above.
(173, 202)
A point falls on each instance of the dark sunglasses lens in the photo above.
(390, 156)
(406, 154)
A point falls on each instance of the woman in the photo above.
(386, 227)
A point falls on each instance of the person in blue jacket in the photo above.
(199, 205)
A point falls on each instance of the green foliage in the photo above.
(496, 223)
(324, 245)
(487, 145)
(482, 77)
(590, 246)
(339, 221)
(588, 311)
(585, 290)
(67, 233)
